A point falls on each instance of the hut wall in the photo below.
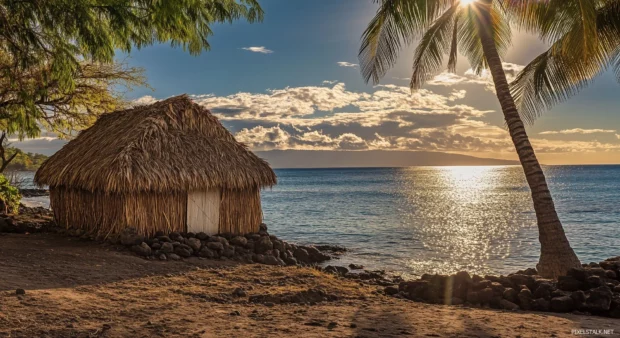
(105, 214)
(240, 211)
(203, 211)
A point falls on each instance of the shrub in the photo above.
(9, 196)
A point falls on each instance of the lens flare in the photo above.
(467, 2)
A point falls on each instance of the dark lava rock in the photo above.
(202, 236)
(271, 260)
(508, 305)
(166, 248)
(173, 257)
(164, 239)
(316, 255)
(20, 292)
(579, 274)
(215, 246)
(390, 290)
(156, 246)
(183, 251)
(194, 243)
(229, 252)
(239, 241)
(278, 245)
(262, 227)
(356, 266)
(258, 258)
(302, 256)
(143, 249)
(569, 283)
(562, 304)
(175, 236)
(485, 295)
(579, 297)
(518, 280)
(473, 297)
(207, 253)
(162, 257)
(290, 261)
(511, 295)
(525, 299)
(541, 304)
(129, 236)
(263, 245)
(594, 282)
(543, 291)
(599, 299)
(239, 292)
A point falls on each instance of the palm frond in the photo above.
(573, 21)
(556, 75)
(397, 22)
(469, 38)
(429, 54)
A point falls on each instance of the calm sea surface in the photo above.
(442, 219)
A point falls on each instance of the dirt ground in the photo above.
(82, 289)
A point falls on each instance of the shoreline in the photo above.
(202, 297)
(593, 289)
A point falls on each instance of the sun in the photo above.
(466, 2)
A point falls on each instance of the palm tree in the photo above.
(480, 30)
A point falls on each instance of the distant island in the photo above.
(370, 158)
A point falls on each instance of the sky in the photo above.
(293, 82)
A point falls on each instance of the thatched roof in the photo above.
(170, 145)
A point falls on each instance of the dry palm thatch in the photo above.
(135, 168)
(171, 145)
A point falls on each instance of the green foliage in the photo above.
(24, 161)
(57, 69)
(9, 195)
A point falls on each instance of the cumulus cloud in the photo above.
(331, 117)
(577, 131)
(259, 49)
(144, 100)
(329, 82)
(347, 64)
(471, 77)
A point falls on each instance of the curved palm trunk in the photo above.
(556, 255)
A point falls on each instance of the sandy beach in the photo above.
(80, 289)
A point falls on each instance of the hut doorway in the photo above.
(203, 211)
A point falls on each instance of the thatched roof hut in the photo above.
(169, 166)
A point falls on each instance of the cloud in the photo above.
(577, 131)
(388, 117)
(144, 100)
(328, 82)
(471, 77)
(260, 49)
(347, 64)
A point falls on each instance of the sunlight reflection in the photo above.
(462, 215)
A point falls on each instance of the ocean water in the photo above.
(443, 219)
(419, 220)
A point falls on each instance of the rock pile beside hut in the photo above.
(258, 247)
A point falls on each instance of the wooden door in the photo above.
(203, 211)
